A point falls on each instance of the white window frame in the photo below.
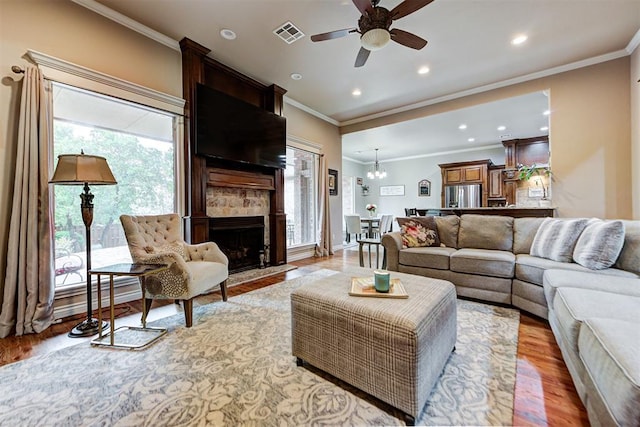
(61, 71)
(305, 250)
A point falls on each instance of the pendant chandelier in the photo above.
(375, 172)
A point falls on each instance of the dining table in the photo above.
(370, 223)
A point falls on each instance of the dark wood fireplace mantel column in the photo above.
(198, 68)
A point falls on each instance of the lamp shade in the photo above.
(74, 169)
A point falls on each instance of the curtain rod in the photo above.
(17, 69)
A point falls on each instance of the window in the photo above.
(139, 144)
(348, 198)
(300, 197)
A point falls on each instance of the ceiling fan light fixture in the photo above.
(375, 39)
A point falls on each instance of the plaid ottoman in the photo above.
(393, 349)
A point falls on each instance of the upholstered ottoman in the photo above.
(393, 349)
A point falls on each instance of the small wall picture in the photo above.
(424, 188)
(359, 181)
(333, 182)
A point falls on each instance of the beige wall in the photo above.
(70, 32)
(303, 125)
(635, 131)
(590, 134)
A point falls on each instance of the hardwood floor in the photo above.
(544, 392)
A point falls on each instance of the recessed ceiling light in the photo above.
(227, 34)
(519, 39)
(546, 112)
(543, 128)
(296, 76)
(471, 139)
(462, 127)
(501, 128)
(423, 70)
(356, 92)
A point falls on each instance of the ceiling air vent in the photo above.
(288, 32)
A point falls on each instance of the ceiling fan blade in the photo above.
(363, 54)
(364, 6)
(407, 7)
(332, 35)
(407, 39)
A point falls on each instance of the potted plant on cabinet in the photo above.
(526, 172)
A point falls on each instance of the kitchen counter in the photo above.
(516, 212)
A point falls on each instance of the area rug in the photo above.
(234, 367)
(257, 273)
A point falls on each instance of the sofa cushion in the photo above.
(554, 279)
(524, 230)
(486, 232)
(448, 227)
(572, 306)
(599, 244)
(430, 257)
(629, 258)
(418, 232)
(483, 261)
(530, 268)
(556, 238)
(609, 350)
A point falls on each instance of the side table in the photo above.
(126, 269)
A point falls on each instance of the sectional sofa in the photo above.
(593, 310)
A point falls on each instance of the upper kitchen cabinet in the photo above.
(523, 151)
(526, 151)
(474, 172)
(462, 173)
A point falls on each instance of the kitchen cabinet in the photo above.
(496, 189)
(473, 172)
(523, 151)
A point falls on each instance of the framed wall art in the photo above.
(392, 190)
(333, 182)
(424, 188)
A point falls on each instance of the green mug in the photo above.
(381, 280)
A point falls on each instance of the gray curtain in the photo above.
(325, 246)
(28, 290)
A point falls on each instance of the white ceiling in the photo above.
(469, 47)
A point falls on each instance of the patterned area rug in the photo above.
(257, 273)
(234, 367)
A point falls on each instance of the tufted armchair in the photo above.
(193, 269)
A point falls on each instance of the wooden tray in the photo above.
(363, 287)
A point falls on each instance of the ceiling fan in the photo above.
(373, 27)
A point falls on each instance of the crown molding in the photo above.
(633, 43)
(173, 44)
(310, 110)
(129, 23)
(60, 70)
(497, 85)
(434, 154)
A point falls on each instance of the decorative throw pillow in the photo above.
(419, 232)
(177, 247)
(599, 244)
(556, 238)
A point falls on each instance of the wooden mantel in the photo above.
(203, 172)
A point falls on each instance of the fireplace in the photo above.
(241, 239)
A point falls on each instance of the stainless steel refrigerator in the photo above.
(462, 196)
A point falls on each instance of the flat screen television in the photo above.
(231, 129)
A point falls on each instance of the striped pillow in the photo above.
(556, 238)
(599, 244)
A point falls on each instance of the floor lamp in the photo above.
(81, 169)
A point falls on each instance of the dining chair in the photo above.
(353, 226)
(385, 224)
